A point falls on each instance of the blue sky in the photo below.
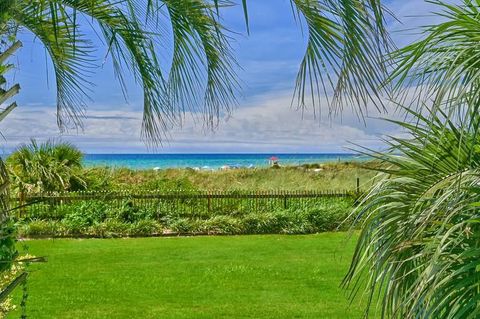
(262, 122)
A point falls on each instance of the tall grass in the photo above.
(335, 177)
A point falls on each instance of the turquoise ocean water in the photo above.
(209, 161)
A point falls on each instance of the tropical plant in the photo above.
(418, 251)
(49, 166)
(419, 247)
(11, 273)
(443, 66)
(419, 242)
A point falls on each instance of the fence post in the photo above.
(358, 185)
(209, 202)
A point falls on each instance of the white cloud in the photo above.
(267, 124)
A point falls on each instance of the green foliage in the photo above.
(8, 251)
(145, 227)
(84, 215)
(347, 37)
(109, 228)
(202, 68)
(353, 33)
(9, 275)
(103, 219)
(184, 225)
(222, 224)
(49, 166)
(41, 228)
(443, 66)
(419, 246)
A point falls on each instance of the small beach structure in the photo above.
(273, 161)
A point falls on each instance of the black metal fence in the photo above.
(178, 202)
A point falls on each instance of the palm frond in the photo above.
(419, 245)
(71, 57)
(202, 77)
(444, 66)
(345, 54)
(49, 166)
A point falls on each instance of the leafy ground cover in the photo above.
(261, 276)
(96, 218)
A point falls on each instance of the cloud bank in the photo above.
(267, 124)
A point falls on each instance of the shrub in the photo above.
(41, 228)
(329, 217)
(185, 225)
(294, 222)
(145, 227)
(222, 225)
(110, 228)
(260, 223)
(84, 215)
(101, 219)
(129, 213)
(46, 211)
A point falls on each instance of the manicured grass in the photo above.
(198, 277)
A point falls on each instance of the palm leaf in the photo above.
(443, 66)
(419, 245)
(347, 42)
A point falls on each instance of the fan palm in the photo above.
(47, 167)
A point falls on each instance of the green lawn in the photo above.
(197, 277)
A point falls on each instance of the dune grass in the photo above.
(330, 177)
(192, 277)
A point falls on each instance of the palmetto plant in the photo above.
(46, 167)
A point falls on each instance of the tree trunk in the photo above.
(7, 233)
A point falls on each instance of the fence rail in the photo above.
(177, 202)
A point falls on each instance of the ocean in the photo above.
(209, 161)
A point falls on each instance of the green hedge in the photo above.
(98, 219)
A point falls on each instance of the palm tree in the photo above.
(418, 250)
(131, 45)
(7, 230)
(47, 167)
(419, 246)
(419, 243)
